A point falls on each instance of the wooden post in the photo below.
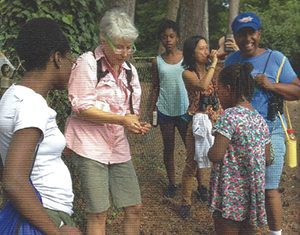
(233, 12)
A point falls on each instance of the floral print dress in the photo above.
(237, 182)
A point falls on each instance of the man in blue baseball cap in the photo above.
(267, 100)
(244, 20)
(247, 24)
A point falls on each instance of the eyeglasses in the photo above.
(117, 50)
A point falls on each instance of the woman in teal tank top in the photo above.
(169, 96)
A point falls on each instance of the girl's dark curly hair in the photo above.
(38, 39)
(167, 24)
(189, 46)
(239, 77)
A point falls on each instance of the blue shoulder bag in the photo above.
(13, 223)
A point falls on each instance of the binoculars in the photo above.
(207, 100)
(275, 105)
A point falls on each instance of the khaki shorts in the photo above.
(60, 218)
(100, 182)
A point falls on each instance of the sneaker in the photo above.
(185, 211)
(202, 193)
(171, 191)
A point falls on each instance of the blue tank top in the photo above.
(172, 99)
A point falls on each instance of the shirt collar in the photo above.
(99, 54)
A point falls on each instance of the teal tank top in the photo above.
(173, 99)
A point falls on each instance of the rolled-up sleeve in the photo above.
(137, 91)
(82, 83)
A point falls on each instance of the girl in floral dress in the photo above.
(239, 153)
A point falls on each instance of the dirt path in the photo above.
(160, 215)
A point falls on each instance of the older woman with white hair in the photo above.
(105, 92)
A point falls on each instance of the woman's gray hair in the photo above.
(116, 24)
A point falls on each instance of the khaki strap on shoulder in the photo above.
(280, 69)
(285, 104)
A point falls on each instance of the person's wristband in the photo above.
(211, 67)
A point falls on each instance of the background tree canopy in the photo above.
(79, 20)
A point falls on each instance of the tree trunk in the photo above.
(172, 9)
(233, 12)
(193, 18)
(127, 5)
(205, 30)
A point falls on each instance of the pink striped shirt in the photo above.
(108, 143)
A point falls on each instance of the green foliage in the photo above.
(218, 17)
(250, 4)
(148, 16)
(78, 19)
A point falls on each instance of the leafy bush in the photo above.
(78, 19)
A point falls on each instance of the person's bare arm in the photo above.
(217, 151)
(289, 91)
(269, 160)
(17, 169)
(193, 83)
(229, 43)
(97, 116)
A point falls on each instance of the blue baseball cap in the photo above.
(247, 19)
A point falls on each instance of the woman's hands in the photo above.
(145, 127)
(214, 58)
(131, 122)
(229, 43)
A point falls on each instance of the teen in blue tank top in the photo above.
(169, 96)
(172, 100)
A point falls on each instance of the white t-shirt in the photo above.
(21, 107)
